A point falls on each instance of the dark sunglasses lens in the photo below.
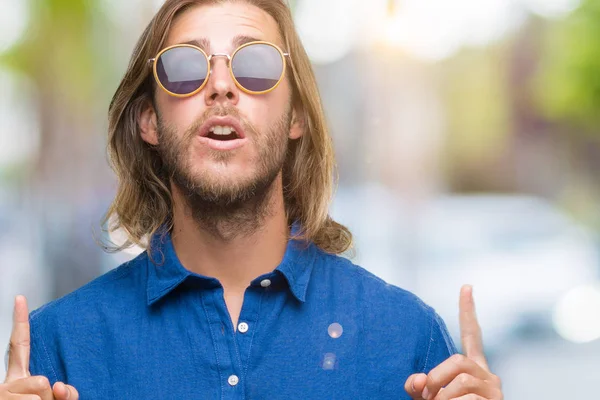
(182, 70)
(257, 67)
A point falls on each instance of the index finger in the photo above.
(470, 331)
(19, 347)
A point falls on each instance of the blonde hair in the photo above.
(143, 203)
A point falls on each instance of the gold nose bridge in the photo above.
(210, 66)
(220, 55)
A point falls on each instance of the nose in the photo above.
(220, 88)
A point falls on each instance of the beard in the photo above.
(225, 206)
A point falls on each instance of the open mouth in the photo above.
(222, 133)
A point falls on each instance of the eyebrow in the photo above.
(237, 41)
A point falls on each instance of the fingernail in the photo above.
(412, 385)
(426, 393)
(67, 391)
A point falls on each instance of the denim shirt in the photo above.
(317, 327)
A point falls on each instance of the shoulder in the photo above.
(375, 292)
(76, 322)
(124, 281)
(389, 314)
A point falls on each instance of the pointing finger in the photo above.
(19, 347)
(470, 331)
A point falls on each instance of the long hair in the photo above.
(143, 202)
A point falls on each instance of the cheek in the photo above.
(180, 113)
(265, 110)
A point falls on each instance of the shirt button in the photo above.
(265, 283)
(243, 327)
(233, 380)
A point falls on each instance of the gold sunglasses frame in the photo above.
(208, 58)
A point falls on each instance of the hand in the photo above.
(19, 384)
(460, 377)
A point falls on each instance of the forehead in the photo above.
(220, 24)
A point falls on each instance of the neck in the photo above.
(234, 248)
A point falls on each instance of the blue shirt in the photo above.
(317, 327)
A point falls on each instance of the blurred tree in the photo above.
(65, 55)
(568, 85)
(511, 122)
(476, 91)
(567, 92)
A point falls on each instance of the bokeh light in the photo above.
(327, 34)
(335, 330)
(577, 314)
(329, 362)
(13, 22)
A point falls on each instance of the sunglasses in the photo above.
(182, 70)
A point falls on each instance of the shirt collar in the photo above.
(166, 273)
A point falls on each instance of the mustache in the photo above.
(218, 111)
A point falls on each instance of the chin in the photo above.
(224, 169)
(224, 176)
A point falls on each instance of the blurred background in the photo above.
(468, 140)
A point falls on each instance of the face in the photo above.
(213, 167)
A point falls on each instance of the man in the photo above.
(225, 173)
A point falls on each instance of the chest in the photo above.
(280, 350)
(234, 303)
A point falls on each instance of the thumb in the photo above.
(63, 392)
(414, 386)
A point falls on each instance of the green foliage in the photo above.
(476, 95)
(568, 84)
(58, 52)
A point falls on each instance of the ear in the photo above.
(147, 122)
(297, 125)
